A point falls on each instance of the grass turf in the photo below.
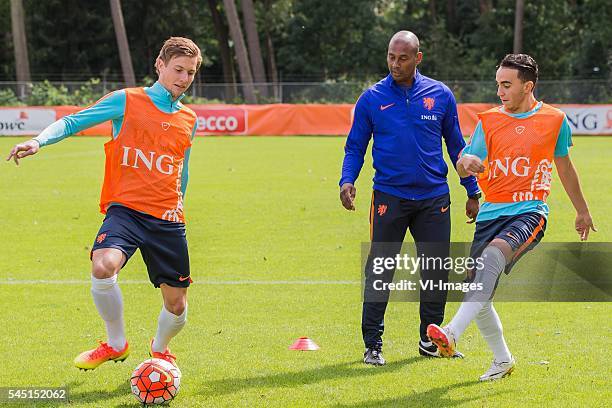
(282, 260)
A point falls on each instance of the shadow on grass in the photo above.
(121, 390)
(435, 397)
(299, 378)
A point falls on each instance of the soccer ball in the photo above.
(155, 381)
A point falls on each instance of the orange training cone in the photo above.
(304, 344)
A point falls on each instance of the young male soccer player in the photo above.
(518, 143)
(142, 196)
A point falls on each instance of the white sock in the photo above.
(494, 264)
(108, 300)
(491, 329)
(464, 316)
(168, 326)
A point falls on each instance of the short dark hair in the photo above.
(525, 64)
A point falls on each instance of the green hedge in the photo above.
(47, 94)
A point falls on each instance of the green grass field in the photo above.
(274, 257)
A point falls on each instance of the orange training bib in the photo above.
(144, 163)
(520, 154)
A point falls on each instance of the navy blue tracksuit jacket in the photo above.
(408, 125)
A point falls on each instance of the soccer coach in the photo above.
(408, 115)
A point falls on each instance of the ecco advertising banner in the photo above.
(221, 120)
(286, 119)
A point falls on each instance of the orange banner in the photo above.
(280, 119)
(272, 120)
(467, 115)
(286, 120)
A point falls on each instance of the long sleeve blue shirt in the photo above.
(112, 107)
(408, 125)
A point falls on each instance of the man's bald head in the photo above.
(405, 39)
(403, 56)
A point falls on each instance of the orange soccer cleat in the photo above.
(91, 359)
(443, 339)
(166, 355)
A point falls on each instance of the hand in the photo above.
(21, 150)
(469, 165)
(472, 206)
(347, 196)
(584, 224)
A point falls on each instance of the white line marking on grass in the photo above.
(222, 282)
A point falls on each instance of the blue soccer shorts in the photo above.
(522, 232)
(162, 244)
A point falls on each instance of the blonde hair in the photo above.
(179, 47)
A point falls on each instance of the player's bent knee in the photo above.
(100, 270)
(484, 312)
(504, 247)
(175, 299)
(106, 263)
(176, 307)
(495, 261)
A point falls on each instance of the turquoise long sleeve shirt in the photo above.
(112, 107)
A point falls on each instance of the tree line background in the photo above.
(254, 41)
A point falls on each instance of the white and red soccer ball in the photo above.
(155, 381)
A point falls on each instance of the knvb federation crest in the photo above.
(382, 209)
(429, 103)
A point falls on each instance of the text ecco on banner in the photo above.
(221, 120)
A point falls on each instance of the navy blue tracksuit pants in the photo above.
(429, 222)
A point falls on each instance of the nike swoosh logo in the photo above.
(383, 107)
(183, 278)
(444, 209)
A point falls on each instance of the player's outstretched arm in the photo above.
(571, 184)
(21, 150)
(109, 107)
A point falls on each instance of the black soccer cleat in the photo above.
(373, 355)
(431, 350)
